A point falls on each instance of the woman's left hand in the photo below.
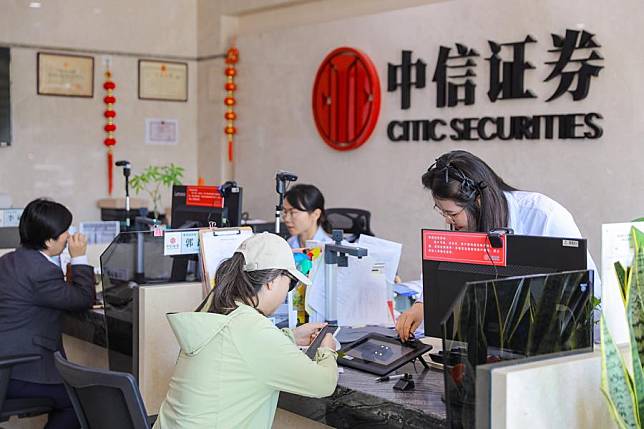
(305, 334)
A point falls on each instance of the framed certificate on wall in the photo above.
(163, 80)
(66, 75)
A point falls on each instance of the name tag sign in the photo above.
(466, 248)
(180, 243)
(204, 196)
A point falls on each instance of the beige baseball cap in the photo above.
(268, 251)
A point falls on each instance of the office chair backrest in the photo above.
(103, 399)
(353, 221)
(21, 407)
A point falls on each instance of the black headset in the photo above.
(469, 188)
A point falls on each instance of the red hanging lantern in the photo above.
(232, 57)
(109, 127)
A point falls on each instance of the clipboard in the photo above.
(217, 245)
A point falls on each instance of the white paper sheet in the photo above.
(216, 248)
(383, 251)
(362, 294)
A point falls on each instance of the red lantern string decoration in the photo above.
(109, 127)
(232, 56)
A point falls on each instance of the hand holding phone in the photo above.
(320, 340)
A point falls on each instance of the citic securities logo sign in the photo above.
(346, 98)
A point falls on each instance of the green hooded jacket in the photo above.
(232, 367)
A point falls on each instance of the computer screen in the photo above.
(197, 206)
(9, 237)
(452, 258)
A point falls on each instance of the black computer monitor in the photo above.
(445, 270)
(9, 237)
(195, 208)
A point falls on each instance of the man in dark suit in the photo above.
(33, 297)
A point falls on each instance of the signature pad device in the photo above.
(379, 354)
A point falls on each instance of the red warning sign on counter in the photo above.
(204, 196)
(463, 247)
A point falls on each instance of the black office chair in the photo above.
(27, 407)
(353, 221)
(103, 399)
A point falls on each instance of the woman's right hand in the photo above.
(409, 321)
(77, 245)
(329, 342)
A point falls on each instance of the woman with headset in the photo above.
(472, 197)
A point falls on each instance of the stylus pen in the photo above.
(393, 377)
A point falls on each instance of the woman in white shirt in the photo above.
(472, 197)
(304, 215)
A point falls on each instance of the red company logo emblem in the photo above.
(346, 98)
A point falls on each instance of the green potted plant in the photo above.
(623, 383)
(153, 179)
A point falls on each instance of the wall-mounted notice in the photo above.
(161, 131)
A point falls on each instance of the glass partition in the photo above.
(509, 319)
(133, 259)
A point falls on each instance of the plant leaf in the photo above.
(616, 384)
(635, 314)
(621, 273)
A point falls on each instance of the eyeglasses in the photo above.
(293, 280)
(449, 216)
(291, 213)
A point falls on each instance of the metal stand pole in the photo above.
(330, 293)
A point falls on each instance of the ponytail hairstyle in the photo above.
(468, 181)
(308, 198)
(233, 285)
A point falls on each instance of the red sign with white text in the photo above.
(463, 247)
(204, 196)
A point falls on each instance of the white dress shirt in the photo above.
(320, 235)
(77, 260)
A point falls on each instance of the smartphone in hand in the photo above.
(315, 345)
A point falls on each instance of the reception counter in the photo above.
(357, 402)
(360, 402)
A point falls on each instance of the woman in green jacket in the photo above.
(234, 361)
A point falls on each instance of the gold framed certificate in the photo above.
(163, 80)
(65, 75)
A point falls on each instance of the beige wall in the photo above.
(598, 181)
(57, 148)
